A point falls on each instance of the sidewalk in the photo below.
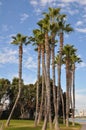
(83, 127)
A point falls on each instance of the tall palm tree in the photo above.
(61, 95)
(53, 14)
(44, 23)
(36, 34)
(43, 80)
(63, 27)
(68, 51)
(38, 40)
(75, 59)
(19, 40)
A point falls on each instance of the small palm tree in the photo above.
(36, 41)
(68, 51)
(75, 59)
(18, 40)
(63, 28)
(61, 95)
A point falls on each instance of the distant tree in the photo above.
(28, 100)
(4, 85)
(4, 97)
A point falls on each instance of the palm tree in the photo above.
(38, 40)
(53, 26)
(68, 51)
(75, 59)
(44, 24)
(57, 65)
(36, 34)
(53, 15)
(18, 40)
(62, 27)
(43, 80)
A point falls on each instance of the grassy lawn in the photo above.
(29, 125)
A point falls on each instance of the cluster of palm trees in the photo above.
(51, 27)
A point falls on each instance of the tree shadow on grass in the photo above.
(23, 128)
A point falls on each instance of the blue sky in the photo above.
(21, 17)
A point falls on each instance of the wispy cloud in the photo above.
(34, 2)
(8, 56)
(38, 11)
(24, 17)
(79, 23)
(81, 30)
(30, 63)
(44, 2)
(81, 65)
(83, 2)
(72, 12)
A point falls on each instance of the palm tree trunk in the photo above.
(73, 94)
(20, 84)
(67, 93)
(59, 64)
(59, 69)
(47, 83)
(70, 89)
(37, 90)
(44, 127)
(42, 98)
(54, 88)
(62, 106)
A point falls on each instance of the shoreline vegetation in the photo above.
(29, 125)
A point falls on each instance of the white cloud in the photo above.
(49, 2)
(62, 5)
(30, 63)
(72, 12)
(38, 11)
(81, 65)
(83, 2)
(68, 1)
(82, 30)
(8, 56)
(24, 17)
(34, 2)
(42, 3)
(79, 23)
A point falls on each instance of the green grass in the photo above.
(29, 125)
